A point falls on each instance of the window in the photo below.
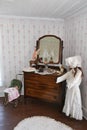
(1, 84)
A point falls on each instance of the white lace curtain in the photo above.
(1, 63)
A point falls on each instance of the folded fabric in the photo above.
(12, 93)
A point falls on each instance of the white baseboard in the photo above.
(85, 112)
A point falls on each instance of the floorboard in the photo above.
(10, 116)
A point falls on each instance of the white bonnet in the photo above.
(74, 61)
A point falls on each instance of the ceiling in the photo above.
(42, 8)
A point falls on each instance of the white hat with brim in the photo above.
(74, 61)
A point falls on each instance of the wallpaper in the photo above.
(76, 44)
(18, 38)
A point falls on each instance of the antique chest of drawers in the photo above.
(43, 87)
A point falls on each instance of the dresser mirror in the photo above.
(50, 47)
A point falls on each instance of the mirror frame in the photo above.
(60, 48)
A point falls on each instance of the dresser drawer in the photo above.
(43, 87)
(46, 95)
(44, 81)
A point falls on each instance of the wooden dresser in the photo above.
(47, 57)
(43, 87)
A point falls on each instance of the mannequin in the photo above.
(73, 106)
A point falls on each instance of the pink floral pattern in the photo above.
(18, 39)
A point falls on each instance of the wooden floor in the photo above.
(10, 116)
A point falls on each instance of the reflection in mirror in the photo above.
(50, 49)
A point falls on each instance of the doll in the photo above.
(35, 53)
(73, 106)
